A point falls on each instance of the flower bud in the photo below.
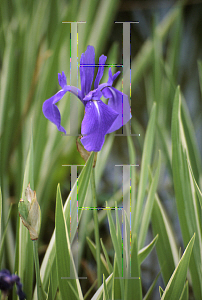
(30, 213)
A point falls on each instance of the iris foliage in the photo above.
(35, 46)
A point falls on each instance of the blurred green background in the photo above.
(166, 46)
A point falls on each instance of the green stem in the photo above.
(4, 296)
(97, 237)
(40, 292)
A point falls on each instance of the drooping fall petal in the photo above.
(50, 110)
(97, 121)
(118, 101)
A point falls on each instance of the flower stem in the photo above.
(40, 292)
(97, 237)
(4, 296)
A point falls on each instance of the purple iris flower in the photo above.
(100, 118)
(7, 281)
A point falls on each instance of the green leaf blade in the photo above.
(49, 262)
(24, 246)
(176, 283)
(187, 205)
(68, 284)
(146, 158)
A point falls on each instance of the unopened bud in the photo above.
(30, 213)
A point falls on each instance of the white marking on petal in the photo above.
(96, 105)
(112, 91)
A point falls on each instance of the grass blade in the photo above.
(24, 244)
(198, 191)
(104, 267)
(109, 265)
(166, 247)
(65, 263)
(5, 230)
(134, 284)
(187, 204)
(146, 158)
(105, 293)
(99, 293)
(175, 285)
(49, 262)
(117, 246)
(185, 292)
(149, 292)
(144, 252)
(149, 206)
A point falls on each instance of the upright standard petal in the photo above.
(68, 88)
(62, 79)
(112, 78)
(100, 72)
(87, 67)
(98, 119)
(118, 102)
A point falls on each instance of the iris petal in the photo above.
(82, 75)
(87, 72)
(7, 280)
(100, 72)
(68, 88)
(112, 78)
(62, 79)
(51, 111)
(98, 119)
(118, 102)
